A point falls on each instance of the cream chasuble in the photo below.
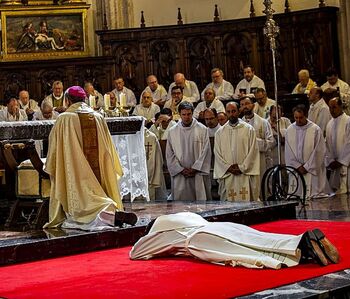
(77, 199)
(156, 182)
(305, 146)
(338, 149)
(223, 243)
(237, 145)
(189, 147)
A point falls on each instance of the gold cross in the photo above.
(243, 192)
(148, 147)
(232, 194)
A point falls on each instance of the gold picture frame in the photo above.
(40, 34)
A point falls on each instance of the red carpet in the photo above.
(110, 273)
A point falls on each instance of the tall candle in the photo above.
(107, 101)
(122, 99)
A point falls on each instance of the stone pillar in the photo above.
(344, 42)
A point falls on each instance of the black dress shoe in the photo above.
(124, 217)
(310, 249)
(329, 250)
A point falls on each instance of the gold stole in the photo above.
(90, 142)
(57, 102)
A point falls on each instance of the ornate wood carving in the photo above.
(252, 9)
(216, 14)
(179, 17)
(37, 78)
(166, 50)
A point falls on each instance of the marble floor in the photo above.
(336, 208)
(334, 285)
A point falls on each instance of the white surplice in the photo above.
(223, 243)
(338, 149)
(190, 91)
(320, 115)
(158, 94)
(216, 104)
(189, 147)
(223, 91)
(237, 145)
(249, 87)
(129, 94)
(344, 90)
(264, 111)
(6, 116)
(265, 140)
(77, 198)
(147, 112)
(305, 146)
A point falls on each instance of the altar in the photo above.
(128, 137)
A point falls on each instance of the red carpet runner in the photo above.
(110, 273)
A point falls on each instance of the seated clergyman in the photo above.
(84, 170)
(226, 243)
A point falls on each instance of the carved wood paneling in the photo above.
(37, 77)
(308, 39)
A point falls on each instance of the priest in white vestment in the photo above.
(177, 97)
(223, 89)
(159, 94)
(338, 148)
(305, 150)
(248, 85)
(156, 182)
(210, 101)
(263, 103)
(189, 88)
(30, 106)
(225, 243)
(264, 135)
(237, 161)
(147, 108)
(319, 110)
(334, 84)
(188, 157)
(284, 123)
(84, 168)
(56, 98)
(12, 112)
(123, 94)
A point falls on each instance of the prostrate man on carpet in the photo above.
(226, 243)
(84, 169)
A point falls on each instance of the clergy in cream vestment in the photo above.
(156, 182)
(305, 150)
(84, 169)
(223, 243)
(188, 157)
(338, 148)
(237, 161)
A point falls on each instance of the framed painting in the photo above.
(43, 34)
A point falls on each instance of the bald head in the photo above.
(180, 79)
(232, 111)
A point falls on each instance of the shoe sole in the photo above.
(125, 217)
(330, 251)
(315, 250)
